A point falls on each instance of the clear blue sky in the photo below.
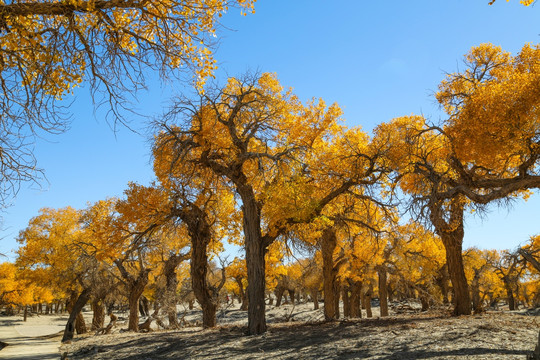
(377, 59)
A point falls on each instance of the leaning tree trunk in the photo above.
(383, 290)
(75, 312)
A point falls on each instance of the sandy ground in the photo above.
(37, 338)
(296, 332)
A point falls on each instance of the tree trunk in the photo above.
(144, 306)
(75, 313)
(199, 232)
(356, 290)
(367, 299)
(451, 233)
(98, 319)
(346, 302)
(255, 246)
(133, 322)
(136, 286)
(510, 296)
(475, 290)
(328, 245)
(291, 295)
(25, 316)
(383, 290)
(337, 293)
(256, 278)
(171, 285)
(461, 298)
(315, 298)
(279, 294)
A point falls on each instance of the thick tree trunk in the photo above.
(279, 294)
(367, 299)
(256, 278)
(171, 285)
(75, 313)
(328, 245)
(383, 290)
(255, 246)
(356, 291)
(144, 306)
(442, 282)
(451, 233)
(133, 322)
(475, 290)
(135, 286)
(453, 245)
(25, 316)
(98, 318)
(510, 297)
(200, 238)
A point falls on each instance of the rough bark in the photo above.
(135, 287)
(475, 292)
(200, 234)
(451, 233)
(255, 246)
(98, 318)
(171, 285)
(356, 290)
(367, 299)
(74, 313)
(328, 245)
(383, 290)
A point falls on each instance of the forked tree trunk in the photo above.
(383, 290)
(135, 287)
(279, 294)
(75, 313)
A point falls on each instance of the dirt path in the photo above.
(32, 340)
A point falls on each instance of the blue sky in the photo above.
(377, 59)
